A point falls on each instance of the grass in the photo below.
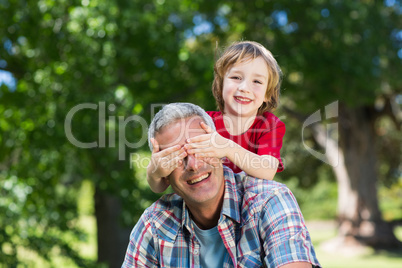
(322, 231)
(374, 260)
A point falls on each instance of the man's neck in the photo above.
(206, 217)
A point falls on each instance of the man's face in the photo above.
(197, 182)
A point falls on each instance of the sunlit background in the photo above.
(80, 81)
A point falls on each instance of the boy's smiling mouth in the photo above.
(242, 99)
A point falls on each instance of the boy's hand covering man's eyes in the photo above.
(164, 162)
(210, 145)
(213, 161)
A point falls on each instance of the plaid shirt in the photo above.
(260, 225)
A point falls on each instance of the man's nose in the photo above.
(192, 163)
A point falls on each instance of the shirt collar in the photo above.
(186, 219)
(231, 200)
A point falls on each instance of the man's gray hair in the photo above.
(173, 112)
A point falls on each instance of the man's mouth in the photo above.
(199, 179)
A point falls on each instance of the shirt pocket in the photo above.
(250, 260)
(173, 253)
(250, 250)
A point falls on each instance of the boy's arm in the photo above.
(214, 145)
(259, 166)
(157, 184)
(162, 164)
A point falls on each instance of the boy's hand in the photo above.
(208, 145)
(213, 161)
(164, 162)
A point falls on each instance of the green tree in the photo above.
(120, 58)
(113, 59)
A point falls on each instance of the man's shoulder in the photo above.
(257, 193)
(165, 202)
(255, 186)
(167, 206)
(164, 216)
(260, 187)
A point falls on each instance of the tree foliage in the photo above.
(120, 55)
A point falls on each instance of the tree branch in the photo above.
(298, 116)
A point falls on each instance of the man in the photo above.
(215, 218)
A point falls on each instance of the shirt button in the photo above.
(196, 251)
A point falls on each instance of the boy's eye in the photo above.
(258, 82)
(235, 77)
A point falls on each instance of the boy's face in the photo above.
(244, 87)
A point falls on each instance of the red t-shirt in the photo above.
(264, 137)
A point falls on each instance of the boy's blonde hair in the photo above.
(244, 51)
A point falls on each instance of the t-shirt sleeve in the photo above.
(212, 114)
(271, 139)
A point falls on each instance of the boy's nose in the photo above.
(243, 86)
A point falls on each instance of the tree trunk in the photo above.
(358, 210)
(355, 166)
(112, 239)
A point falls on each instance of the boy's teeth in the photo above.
(242, 99)
(198, 179)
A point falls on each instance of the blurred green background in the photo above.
(80, 81)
